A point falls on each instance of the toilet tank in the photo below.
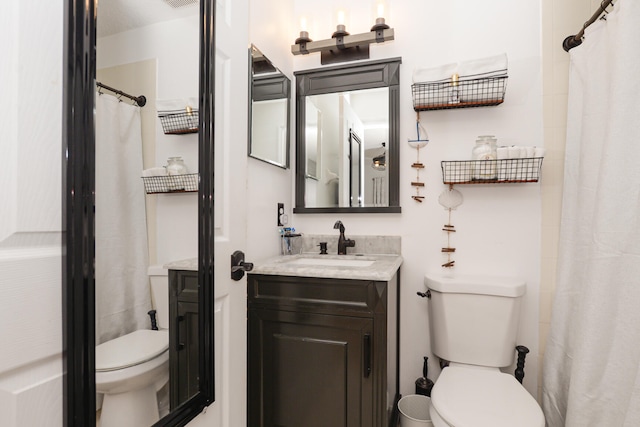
(474, 319)
(159, 281)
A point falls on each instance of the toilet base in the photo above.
(130, 409)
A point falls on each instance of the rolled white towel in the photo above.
(515, 165)
(502, 153)
(539, 152)
(155, 182)
(529, 152)
(157, 171)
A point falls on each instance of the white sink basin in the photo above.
(332, 262)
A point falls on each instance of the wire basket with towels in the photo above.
(475, 83)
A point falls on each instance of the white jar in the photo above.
(175, 168)
(484, 151)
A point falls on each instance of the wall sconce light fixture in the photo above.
(379, 162)
(342, 46)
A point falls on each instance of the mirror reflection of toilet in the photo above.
(132, 368)
(473, 322)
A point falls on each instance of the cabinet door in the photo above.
(183, 336)
(184, 369)
(309, 370)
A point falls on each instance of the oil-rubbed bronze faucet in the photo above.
(343, 242)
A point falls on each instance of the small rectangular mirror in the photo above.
(269, 111)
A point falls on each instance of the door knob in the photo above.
(239, 266)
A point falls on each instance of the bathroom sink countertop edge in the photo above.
(379, 267)
(190, 264)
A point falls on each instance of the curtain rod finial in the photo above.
(571, 42)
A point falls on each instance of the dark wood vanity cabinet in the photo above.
(183, 336)
(321, 352)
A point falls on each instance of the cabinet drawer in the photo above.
(334, 296)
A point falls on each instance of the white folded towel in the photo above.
(173, 105)
(492, 66)
(434, 74)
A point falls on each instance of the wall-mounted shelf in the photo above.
(179, 122)
(463, 93)
(502, 171)
(171, 183)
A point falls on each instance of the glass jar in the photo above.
(175, 168)
(485, 151)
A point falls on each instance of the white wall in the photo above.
(30, 214)
(267, 185)
(498, 225)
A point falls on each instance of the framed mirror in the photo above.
(79, 214)
(269, 111)
(347, 148)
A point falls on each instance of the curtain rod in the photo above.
(573, 41)
(139, 100)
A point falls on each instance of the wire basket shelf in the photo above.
(502, 171)
(171, 183)
(464, 93)
(179, 122)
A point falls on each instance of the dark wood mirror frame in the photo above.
(78, 187)
(367, 75)
(265, 88)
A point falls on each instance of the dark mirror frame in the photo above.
(78, 188)
(263, 88)
(345, 78)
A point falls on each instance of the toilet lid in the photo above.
(481, 397)
(131, 349)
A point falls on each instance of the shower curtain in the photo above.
(591, 369)
(122, 286)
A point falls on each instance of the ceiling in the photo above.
(116, 16)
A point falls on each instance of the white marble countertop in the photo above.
(383, 268)
(190, 264)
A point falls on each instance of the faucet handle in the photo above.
(323, 248)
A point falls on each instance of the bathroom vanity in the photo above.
(323, 341)
(183, 331)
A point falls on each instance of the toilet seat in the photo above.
(473, 396)
(130, 350)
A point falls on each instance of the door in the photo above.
(231, 92)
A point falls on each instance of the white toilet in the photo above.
(131, 369)
(473, 324)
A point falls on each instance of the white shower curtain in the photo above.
(591, 369)
(122, 286)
